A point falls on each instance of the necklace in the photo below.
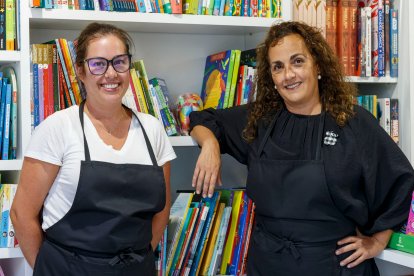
(100, 124)
(113, 129)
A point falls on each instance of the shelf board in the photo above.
(371, 79)
(397, 257)
(10, 165)
(9, 56)
(7, 253)
(149, 22)
(182, 141)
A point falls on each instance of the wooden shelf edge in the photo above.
(11, 165)
(9, 56)
(9, 253)
(397, 257)
(151, 22)
(374, 80)
(182, 141)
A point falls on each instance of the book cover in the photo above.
(10, 74)
(232, 231)
(394, 43)
(216, 74)
(384, 114)
(395, 129)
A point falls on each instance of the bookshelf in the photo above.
(174, 47)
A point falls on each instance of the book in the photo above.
(384, 114)
(6, 122)
(9, 73)
(216, 74)
(394, 43)
(178, 217)
(395, 133)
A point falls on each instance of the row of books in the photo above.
(8, 113)
(150, 96)
(362, 33)
(54, 85)
(7, 192)
(9, 25)
(250, 8)
(385, 110)
(228, 78)
(209, 236)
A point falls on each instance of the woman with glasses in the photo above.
(97, 175)
(328, 182)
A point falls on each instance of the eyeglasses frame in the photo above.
(109, 62)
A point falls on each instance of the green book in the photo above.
(402, 242)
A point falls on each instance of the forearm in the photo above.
(159, 223)
(383, 237)
(204, 136)
(30, 236)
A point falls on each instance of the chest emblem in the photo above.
(330, 138)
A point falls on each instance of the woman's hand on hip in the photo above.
(207, 171)
(364, 247)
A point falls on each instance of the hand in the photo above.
(207, 171)
(364, 248)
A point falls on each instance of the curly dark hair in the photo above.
(336, 95)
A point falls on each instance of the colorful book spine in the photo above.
(394, 43)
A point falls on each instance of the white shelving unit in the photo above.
(174, 47)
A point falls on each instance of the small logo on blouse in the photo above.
(330, 138)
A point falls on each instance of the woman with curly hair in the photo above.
(328, 182)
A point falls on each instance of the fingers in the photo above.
(206, 177)
(364, 248)
(355, 259)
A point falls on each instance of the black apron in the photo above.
(108, 229)
(297, 223)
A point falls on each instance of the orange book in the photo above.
(343, 35)
(353, 33)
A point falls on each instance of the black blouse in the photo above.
(369, 178)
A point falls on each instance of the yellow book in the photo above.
(205, 264)
(138, 91)
(228, 248)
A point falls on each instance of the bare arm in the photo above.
(365, 247)
(36, 178)
(160, 220)
(207, 170)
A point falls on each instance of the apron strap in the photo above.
(149, 147)
(319, 141)
(85, 143)
(269, 129)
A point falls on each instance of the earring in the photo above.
(275, 87)
(319, 77)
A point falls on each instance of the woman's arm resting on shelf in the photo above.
(207, 170)
(160, 220)
(364, 247)
(36, 178)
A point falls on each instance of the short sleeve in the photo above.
(388, 176)
(161, 145)
(227, 125)
(48, 140)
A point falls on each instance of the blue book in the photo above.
(2, 108)
(381, 59)
(393, 43)
(234, 264)
(205, 232)
(6, 124)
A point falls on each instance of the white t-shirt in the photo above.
(58, 140)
